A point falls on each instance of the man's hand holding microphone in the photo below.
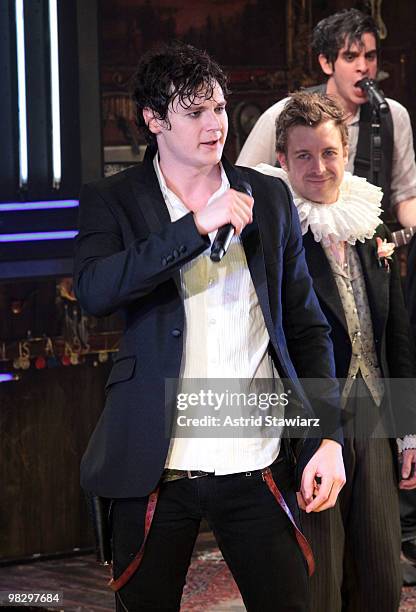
(229, 214)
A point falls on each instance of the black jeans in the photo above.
(408, 514)
(254, 535)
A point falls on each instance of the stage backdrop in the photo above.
(263, 44)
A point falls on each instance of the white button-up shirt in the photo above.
(225, 338)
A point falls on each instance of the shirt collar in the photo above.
(354, 216)
(355, 119)
(172, 200)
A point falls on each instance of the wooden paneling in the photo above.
(45, 422)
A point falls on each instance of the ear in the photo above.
(151, 121)
(326, 66)
(345, 152)
(281, 158)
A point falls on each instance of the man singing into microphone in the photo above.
(347, 46)
(144, 247)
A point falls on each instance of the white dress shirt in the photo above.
(225, 338)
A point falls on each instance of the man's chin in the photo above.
(359, 96)
(213, 153)
(317, 197)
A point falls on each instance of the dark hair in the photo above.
(308, 109)
(175, 71)
(346, 26)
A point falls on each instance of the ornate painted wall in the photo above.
(263, 44)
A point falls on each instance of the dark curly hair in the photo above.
(308, 109)
(175, 71)
(346, 26)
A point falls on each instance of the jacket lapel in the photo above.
(377, 284)
(254, 252)
(148, 196)
(323, 279)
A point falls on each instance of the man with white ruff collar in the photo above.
(356, 279)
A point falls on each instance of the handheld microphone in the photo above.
(375, 96)
(226, 232)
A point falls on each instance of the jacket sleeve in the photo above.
(304, 323)
(400, 352)
(310, 347)
(411, 286)
(109, 273)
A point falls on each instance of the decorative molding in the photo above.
(298, 47)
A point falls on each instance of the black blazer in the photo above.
(128, 256)
(389, 318)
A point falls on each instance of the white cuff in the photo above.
(408, 442)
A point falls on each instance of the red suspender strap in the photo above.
(302, 541)
(115, 585)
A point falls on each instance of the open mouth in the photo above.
(211, 142)
(359, 89)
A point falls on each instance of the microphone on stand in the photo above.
(375, 96)
(226, 232)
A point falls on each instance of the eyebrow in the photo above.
(195, 106)
(329, 147)
(357, 53)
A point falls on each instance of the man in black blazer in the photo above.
(144, 247)
(356, 278)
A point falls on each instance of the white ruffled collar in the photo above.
(354, 216)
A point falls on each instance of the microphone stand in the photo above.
(378, 105)
(375, 147)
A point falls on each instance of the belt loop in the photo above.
(190, 475)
